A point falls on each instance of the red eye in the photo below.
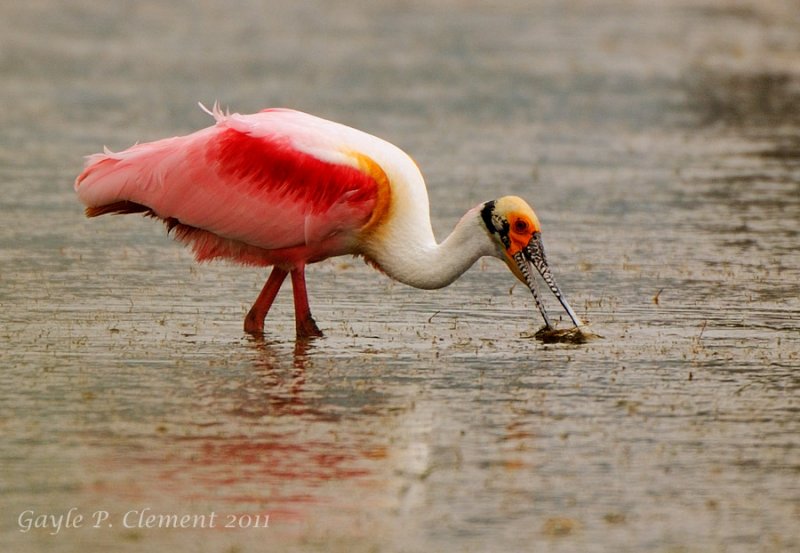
(520, 225)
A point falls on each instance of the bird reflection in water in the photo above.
(256, 442)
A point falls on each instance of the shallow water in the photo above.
(661, 148)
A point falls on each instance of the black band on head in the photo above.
(486, 215)
(495, 223)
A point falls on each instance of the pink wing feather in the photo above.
(272, 187)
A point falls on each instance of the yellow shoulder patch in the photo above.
(370, 167)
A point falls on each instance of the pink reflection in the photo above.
(275, 449)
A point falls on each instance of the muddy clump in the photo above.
(574, 335)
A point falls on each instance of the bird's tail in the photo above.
(101, 186)
(121, 182)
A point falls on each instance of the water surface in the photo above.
(659, 145)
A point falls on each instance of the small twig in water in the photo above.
(702, 329)
(655, 298)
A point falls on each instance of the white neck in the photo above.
(410, 254)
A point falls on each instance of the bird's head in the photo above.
(515, 229)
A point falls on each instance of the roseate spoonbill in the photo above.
(284, 188)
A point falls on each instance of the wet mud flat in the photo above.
(659, 145)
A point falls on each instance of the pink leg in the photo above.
(254, 321)
(306, 327)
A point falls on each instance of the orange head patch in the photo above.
(520, 230)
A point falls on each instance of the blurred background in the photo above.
(660, 145)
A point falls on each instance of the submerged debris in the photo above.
(573, 335)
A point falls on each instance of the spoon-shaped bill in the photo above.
(534, 255)
(525, 268)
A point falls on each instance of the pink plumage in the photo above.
(241, 190)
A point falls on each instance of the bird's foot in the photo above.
(254, 324)
(307, 328)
